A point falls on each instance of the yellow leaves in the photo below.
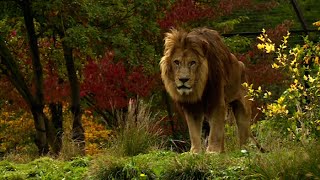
(259, 89)
(276, 109)
(268, 47)
(295, 71)
(285, 38)
(267, 95)
(260, 46)
(275, 66)
(309, 78)
(252, 93)
(280, 100)
(266, 44)
(293, 62)
(317, 24)
(306, 59)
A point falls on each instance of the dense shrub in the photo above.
(295, 112)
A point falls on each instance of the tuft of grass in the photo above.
(69, 148)
(29, 153)
(138, 131)
(143, 166)
(298, 162)
(206, 166)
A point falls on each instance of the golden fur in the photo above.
(204, 78)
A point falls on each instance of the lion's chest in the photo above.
(200, 107)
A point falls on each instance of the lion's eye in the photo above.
(176, 62)
(192, 63)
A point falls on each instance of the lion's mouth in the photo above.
(184, 87)
(184, 90)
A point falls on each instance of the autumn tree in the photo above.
(44, 127)
(68, 34)
(11, 69)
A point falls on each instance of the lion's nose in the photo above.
(183, 80)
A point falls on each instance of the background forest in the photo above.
(80, 85)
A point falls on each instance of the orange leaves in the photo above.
(96, 134)
(15, 130)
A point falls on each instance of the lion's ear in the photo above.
(204, 46)
(200, 44)
(197, 42)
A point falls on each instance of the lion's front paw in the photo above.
(194, 150)
(214, 150)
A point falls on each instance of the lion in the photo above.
(204, 78)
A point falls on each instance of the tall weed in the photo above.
(138, 131)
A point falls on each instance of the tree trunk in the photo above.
(11, 70)
(77, 129)
(57, 121)
(37, 107)
(41, 134)
(44, 128)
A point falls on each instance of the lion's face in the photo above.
(184, 69)
(184, 66)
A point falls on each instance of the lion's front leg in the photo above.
(195, 126)
(216, 135)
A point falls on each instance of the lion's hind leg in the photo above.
(242, 115)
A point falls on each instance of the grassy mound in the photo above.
(298, 162)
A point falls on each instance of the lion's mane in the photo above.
(213, 73)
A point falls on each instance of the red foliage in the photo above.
(12, 99)
(111, 85)
(276, 34)
(55, 88)
(226, 7)
(184, 11)
(266, 5)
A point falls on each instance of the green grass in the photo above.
(45, 168)
(290, 162)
